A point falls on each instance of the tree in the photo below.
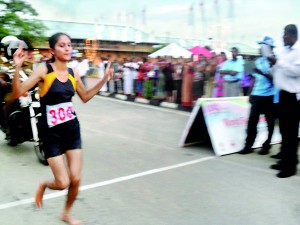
(157, 47)
(16, 18)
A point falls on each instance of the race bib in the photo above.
(60, 113)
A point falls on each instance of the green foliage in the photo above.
(16, 18)
(157, 47)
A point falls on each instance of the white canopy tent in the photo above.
(173, 50)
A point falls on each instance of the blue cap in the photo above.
(267, 41)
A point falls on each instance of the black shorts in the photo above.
(58, 139)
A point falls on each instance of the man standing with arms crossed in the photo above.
(286, 72)
(232, 72)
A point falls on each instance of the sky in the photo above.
(245, 21)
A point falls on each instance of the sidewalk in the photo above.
(153, 102)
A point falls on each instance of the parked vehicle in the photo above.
(18, 118)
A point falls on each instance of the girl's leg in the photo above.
(74, 158)
(61, 179)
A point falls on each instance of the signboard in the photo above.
(224, 121)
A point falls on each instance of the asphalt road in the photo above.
(135, 174)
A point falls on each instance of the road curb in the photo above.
(139, 100)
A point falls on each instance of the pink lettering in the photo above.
(70, 112)
(61, 113)
(53, 114)
(235, 122)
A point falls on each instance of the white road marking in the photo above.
(104, 183)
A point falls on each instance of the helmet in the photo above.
(11, 44)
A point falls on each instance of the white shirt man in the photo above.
(287, 69)
(286, 73)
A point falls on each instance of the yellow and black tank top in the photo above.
(56, 98)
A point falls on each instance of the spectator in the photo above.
(210, 72)
(219, 80)
(261, 99)
(101, 71)
(147, 83)
(168, 71)
(232, 72)
(82, 68)
(199, 77)
(128, 79)
(178, 74)
(249, 67)
(187, 84)
(160, 84)
(287, 78)
(116, 77)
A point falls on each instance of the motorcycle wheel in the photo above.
(40, 154)
(10, 139)
(17, 130)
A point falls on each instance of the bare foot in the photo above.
(68, 219)
(39, 194)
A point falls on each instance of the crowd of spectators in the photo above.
(175, 80)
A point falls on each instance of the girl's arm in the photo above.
(18, 87)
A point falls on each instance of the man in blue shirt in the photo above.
(261, 99)
(232, 72)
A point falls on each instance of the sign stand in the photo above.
(224, 122)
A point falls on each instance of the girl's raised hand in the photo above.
(20, 55)
(109, 71)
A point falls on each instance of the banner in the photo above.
(224, 121)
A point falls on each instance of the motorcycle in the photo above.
(19, 118)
